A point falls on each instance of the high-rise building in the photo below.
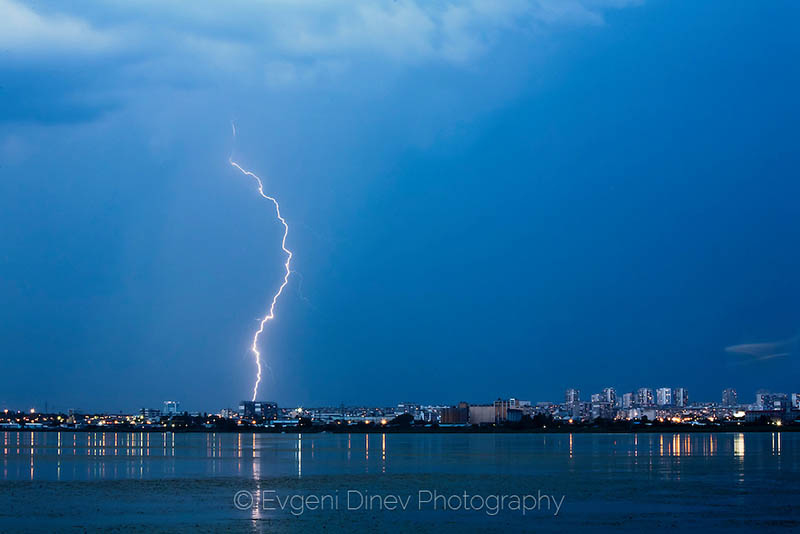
(644, 397)
(763, 400)
(780, 401)
(730, 397)
(172, 407)
(572, 396)
(680, 397)
(796, 401)
(628, 400)
(603, 404)
(664, 396)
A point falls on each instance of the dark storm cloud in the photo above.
(71, 62)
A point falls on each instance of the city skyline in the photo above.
(634, 411)
(640, 396)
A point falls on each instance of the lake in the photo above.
(195, 482)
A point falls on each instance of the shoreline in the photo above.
(446, 430)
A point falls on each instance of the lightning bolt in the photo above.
(287, 266)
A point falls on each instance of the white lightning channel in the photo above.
(287, 267)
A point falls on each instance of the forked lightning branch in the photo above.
(287, 271)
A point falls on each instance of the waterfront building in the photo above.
(501, 408)
(258, 410)
(481, 414)
(150, 413)
(455, 415)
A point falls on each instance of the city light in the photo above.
(604, 411)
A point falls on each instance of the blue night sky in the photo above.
(485, 199)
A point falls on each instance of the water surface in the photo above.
(129, 481)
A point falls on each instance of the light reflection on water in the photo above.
(255, 453)
(136, 455)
